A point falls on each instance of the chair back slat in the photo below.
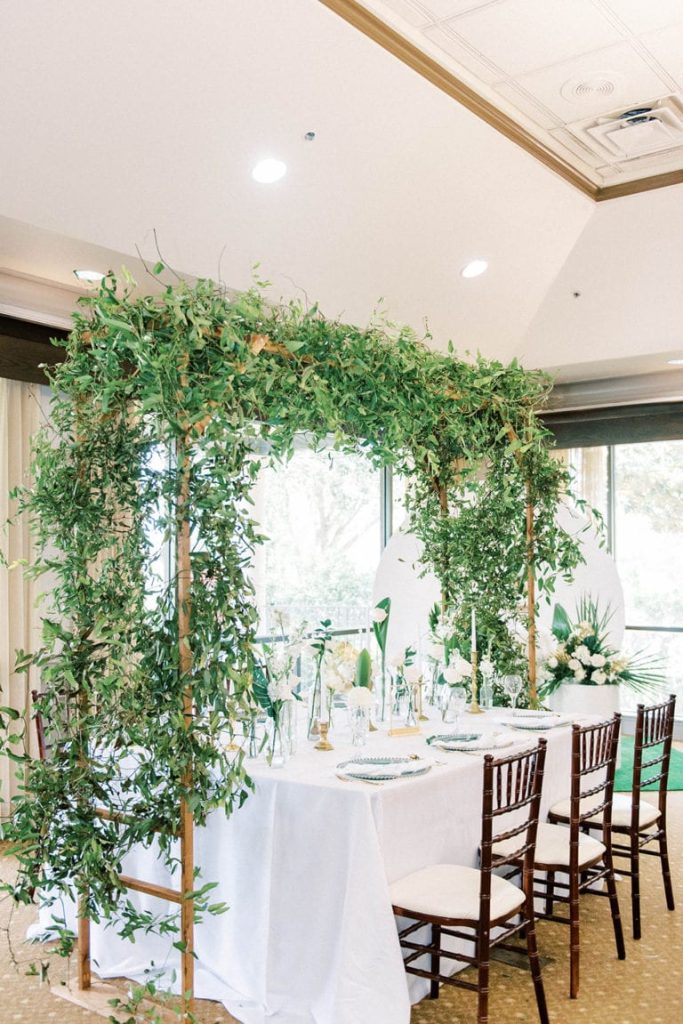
(512, 786)
(654, 729)
(594, 759)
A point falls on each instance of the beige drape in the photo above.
(20, 416)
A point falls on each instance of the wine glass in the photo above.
(512, 685)
(455, 705)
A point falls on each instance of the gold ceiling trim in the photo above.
(353, 12)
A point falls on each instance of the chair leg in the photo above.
(635, 884)
(535, 965)
(483, 956)
(614, 907)
(435, 962)
(549, 892)
(574, 936)
(666, 871)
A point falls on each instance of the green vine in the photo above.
(227, 380)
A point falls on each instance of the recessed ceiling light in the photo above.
(268, 171)
(675, 362)
(91, 276)
(474, 268)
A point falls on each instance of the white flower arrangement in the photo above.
(360, 697)
(583, 655)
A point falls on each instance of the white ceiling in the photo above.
(558, 67)
(130, 118)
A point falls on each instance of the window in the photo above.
(321, 515)
(639, 489)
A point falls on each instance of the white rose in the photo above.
(552, 662)
(583, 654)
(463, 666)
(359, 697)
(599, 678)
(579, 674)
(574, 664)
(412, 675)
(378, 614)
(486, 667)
(451, 675)
(598, 661)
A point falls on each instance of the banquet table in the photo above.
(305, 867)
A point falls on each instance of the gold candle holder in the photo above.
(474, 708)
(323, 743)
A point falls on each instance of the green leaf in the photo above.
(561, 625)
(364, 669)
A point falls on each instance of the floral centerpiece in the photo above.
(339, 671)
(582, 654)
(275, 678)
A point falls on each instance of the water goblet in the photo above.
(455, 705)
(513, 687)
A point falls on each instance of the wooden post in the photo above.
(184, 577)
(531, 594)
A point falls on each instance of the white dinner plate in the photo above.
(382, 769)
(539, 724)
(531, 713)
(482, 743)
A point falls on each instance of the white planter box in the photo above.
(577, 699)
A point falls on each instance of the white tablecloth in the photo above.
(305, 866)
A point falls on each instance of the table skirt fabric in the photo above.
(305, 868)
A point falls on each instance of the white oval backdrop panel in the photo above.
(412, 596)
(598, 577)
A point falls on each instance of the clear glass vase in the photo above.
(410, 719)
(315, 708)
(359, 720)
(290, 724)
(278, 746)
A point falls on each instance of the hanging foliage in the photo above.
(161, 413)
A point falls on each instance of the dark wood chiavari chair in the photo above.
(569, 851)
(640, 821)
(468, 903)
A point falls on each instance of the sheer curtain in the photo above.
(21, 413)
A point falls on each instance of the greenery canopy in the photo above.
(221, 384)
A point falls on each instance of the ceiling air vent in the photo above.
(637, 132)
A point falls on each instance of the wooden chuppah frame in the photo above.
(183, 897)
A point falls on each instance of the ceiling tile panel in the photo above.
(666, 46)
(484, 70)
(411, 13)
(442, 9)
(558, 87)
(646, 15)
(523, 35)
(519, 99)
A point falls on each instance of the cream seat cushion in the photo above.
(452, 891)
(552, 846)
(621, 811)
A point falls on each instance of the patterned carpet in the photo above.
(644, 989)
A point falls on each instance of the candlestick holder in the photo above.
(474, 708)
(421, 717)
(323, 743)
